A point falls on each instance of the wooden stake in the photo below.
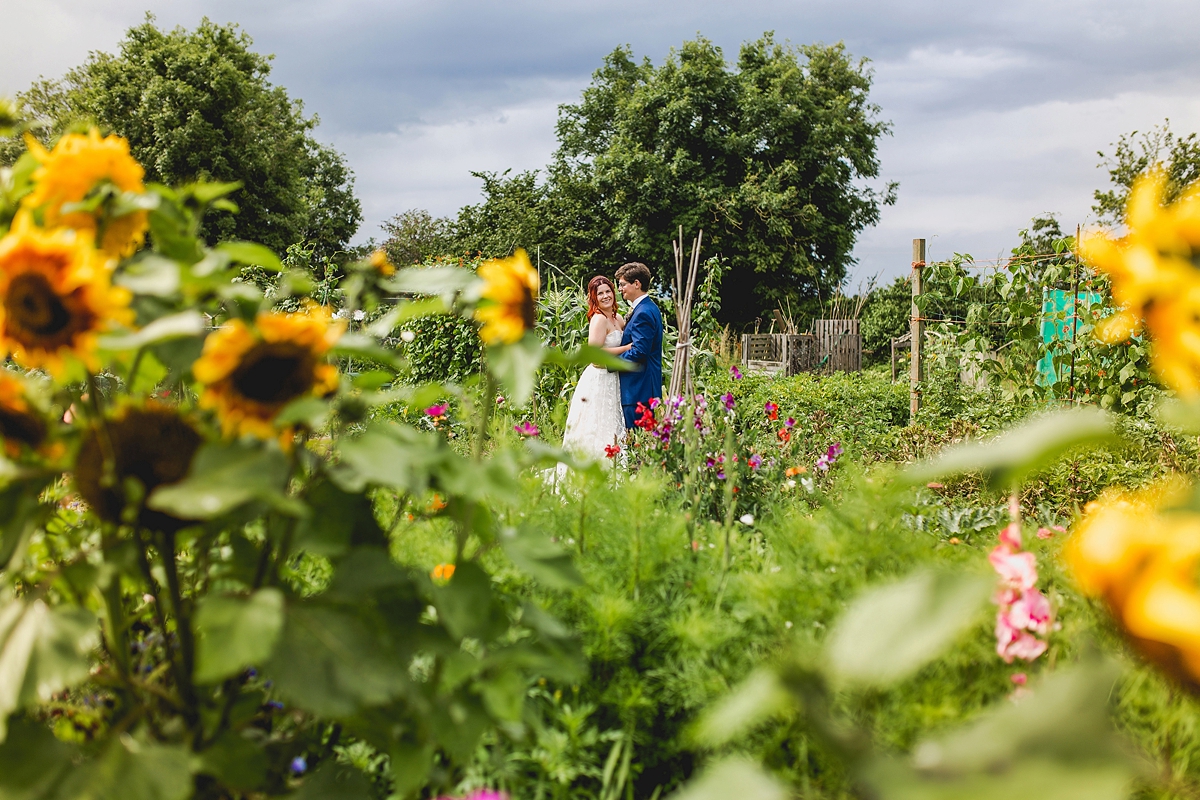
(916, 329)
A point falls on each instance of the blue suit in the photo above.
(644, 330)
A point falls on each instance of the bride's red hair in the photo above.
(593, 288)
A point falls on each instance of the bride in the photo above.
(595, 420)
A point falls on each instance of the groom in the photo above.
(644, 331)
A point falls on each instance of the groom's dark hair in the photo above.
(635, 271)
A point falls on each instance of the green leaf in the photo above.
(504, 694)
(387, 454)
(251, 253)
(333, 781)
(1055, 743)
(733, 777)
(541, 558)
(466, 605)
(177, 326)
(1182, 415)
(760, 696)
(133, 770)
(404, 311)
(355, 345)
(515, 367)
(236, 633)
(339, 520)
(19, 513)
(327, 662)
(151, 275)
(1011, 457)
(210, 191)
(587, 355)
(890, 632)
(235, 761)
(430, 280)
(32, 762)
(312, 412)
(42, 651)
(225, 475)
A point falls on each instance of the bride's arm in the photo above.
(616, 351)
(597, 330)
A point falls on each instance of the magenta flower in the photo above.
(727, 399)
(737, 376)
(527, 428)
(771, 409)
(438, 410)
(790, 422)
(755, 461)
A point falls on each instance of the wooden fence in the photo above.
(835, 345)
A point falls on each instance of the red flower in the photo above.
(645, 419)
(611, 450)
(784, 435)
(772, 410)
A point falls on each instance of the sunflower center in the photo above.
(273, 373)
(529, 309)
(34, 306)
(21, 426)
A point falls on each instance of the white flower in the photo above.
(746, 519)
(359, 315)
(407, 336)
(788, 624)
(791, 484)
(807, 483)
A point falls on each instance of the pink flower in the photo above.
(1010, 537)
(1048, 533)
(755, 461)
(1019, 678)
(737, 376)
(1017, 569)
(790, 422)
(1026, 647)
(1031, 612)
(438, 411)
(527, 428)
(727, 399)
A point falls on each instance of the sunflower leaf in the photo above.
(236, 632)
(515, 366)
(223, 477)
(252, 254)
(176, 326)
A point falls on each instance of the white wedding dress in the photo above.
(595, 420)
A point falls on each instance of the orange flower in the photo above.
(442, 572)
(71, 171)
(384, 265)
(57, 296)
(251, 374)
(21, 423)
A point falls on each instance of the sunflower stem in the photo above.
(488, 401)
(161, 617)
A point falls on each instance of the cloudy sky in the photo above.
(997, 108)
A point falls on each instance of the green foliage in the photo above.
(198, 105)
(1136, 153)
(415, 236)
(885, 316)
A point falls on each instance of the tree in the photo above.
(768, 157)
(1135, 154)
(415, 235)
(198, 105)
(886, 315)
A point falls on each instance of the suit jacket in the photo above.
(644, 330)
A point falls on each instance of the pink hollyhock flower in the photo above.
(1048, 533)
(527, 428)
(1026, 647)
(1031, 612)
(1016, 569)
(438, 411)
(1010, 537)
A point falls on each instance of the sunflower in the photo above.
(1142, 562)
(250, 374)
(382, 264)
(21, 423)
(152, 443)
(55, 296)
(1155, 278)
(72, 170)
(511, 286)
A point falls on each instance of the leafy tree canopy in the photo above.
(198, 105)
(1137, 152)
(768, 155)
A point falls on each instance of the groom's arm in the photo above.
(641, 339)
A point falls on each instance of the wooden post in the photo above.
(893, 359)
(916, 329)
